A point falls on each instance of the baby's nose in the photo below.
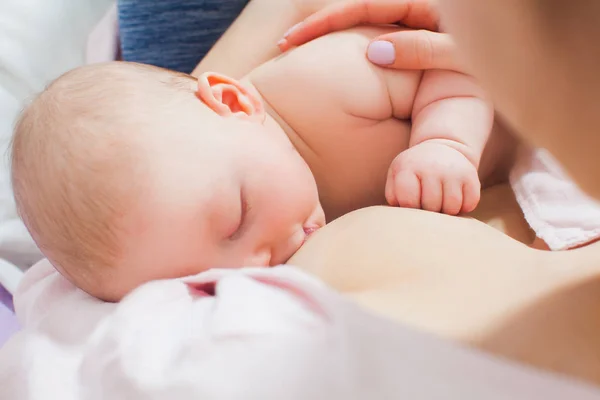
(260, 258)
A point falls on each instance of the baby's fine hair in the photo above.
(76, 172)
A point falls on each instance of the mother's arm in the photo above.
(252, 38)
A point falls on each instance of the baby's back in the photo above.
(337, 109)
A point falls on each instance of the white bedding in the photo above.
(39, 40)
(265, 334)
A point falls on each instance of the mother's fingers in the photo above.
(415, 50)
(419, 14)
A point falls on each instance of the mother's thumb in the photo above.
(418, 49)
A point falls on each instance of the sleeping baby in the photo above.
(126, 173)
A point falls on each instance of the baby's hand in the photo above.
(435, 177)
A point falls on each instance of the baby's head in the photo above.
(125, 173)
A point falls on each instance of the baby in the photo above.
(125, 173)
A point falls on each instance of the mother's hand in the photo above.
(426, 48)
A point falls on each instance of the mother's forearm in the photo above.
(251, 39)
(173, 34)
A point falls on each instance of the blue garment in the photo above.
(174, 34)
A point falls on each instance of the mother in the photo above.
(457, 277)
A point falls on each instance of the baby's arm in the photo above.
(452, 120)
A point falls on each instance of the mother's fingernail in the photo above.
(292, 29)
(381, 52)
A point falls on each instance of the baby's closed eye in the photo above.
(241, 222)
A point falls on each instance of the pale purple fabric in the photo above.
(8, 320)
(6, 298)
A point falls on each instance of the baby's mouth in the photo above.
(308, 231)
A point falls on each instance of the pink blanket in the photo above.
(239, 334)
(556, 209)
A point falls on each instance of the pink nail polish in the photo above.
(381, 52)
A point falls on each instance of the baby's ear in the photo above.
(230, 98)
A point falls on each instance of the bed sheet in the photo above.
(36, 46)
(39, 40)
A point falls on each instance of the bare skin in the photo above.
(468, 279)
(243, 47)
(351, 134)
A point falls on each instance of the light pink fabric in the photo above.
(267, 334)
(103, 41)
(555, 208)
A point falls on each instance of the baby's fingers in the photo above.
(453, 197)
(390, 189)
(471, 191)
(431, 194)
(405, 190)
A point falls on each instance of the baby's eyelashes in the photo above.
(241, 225)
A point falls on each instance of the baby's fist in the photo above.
(434, 177)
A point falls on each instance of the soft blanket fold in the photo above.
(239, 334)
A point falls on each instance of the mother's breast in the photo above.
(375, 246)
(464, 280)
